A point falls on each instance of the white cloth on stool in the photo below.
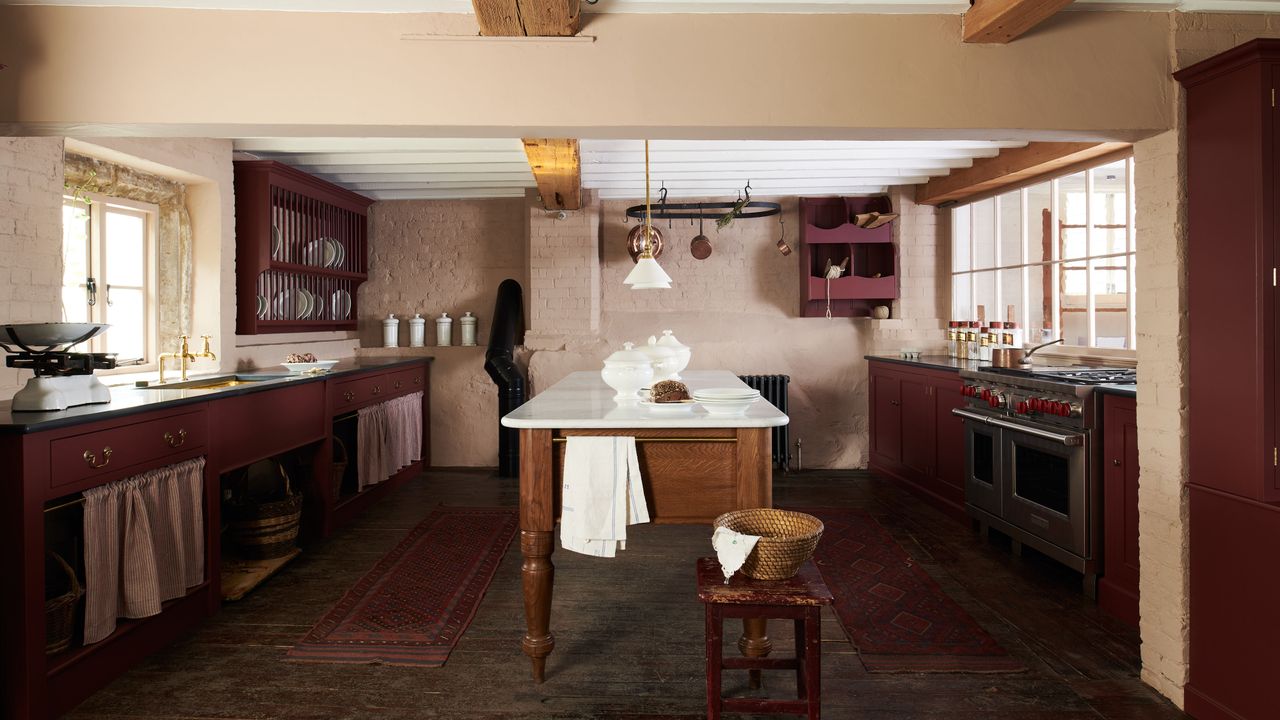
(732, 549)
(600, 495)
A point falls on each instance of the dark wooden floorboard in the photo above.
(629, 632)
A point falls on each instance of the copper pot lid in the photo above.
(635, 244)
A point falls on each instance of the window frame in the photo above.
(96, 264)
(1087, 260)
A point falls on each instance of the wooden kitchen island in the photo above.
(695, 467)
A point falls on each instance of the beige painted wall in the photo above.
(446, 256)
(802, 75)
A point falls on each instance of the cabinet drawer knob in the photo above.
(92, 460)
(348, 396)
(398, 384)
(417, 381)
(377, 389)
(1116, 463)
(176, 440)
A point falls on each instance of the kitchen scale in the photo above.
(62, 379)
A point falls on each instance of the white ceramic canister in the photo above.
(391, 331)
(626, 371)
(444, 330)
(683, 352)
(468, 322)
(665, 360)
(417, 331)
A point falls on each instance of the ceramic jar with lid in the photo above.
(626, 371)
(417, 331)
(665, 360)
(391, 331)
(683, 352)
(468, 322)
(444, 330)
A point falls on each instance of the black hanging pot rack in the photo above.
(663, 210)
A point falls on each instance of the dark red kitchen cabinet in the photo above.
(919, 444)
(1232, 205)
(914, 437)
(949, 430)
(1118, 586)
(886, 416)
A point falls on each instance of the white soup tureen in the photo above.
(626, 371)
(665, 360)
(683, 352)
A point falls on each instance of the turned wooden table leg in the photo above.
(537, 523)
(754, 643)
(539, 575)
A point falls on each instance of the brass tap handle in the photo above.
(92, 459)
(177, 440)
(186, 350)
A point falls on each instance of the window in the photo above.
(108, 250)
(1057, 257)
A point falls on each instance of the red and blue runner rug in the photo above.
(897, 616)
(412, 607)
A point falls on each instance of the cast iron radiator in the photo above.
(499, 361)
(774, 389)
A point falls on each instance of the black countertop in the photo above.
(1122, 390)
(935, 362)
(128, 400)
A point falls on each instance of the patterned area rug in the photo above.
(412, 607)
(894, 613)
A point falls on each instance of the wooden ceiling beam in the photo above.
(557, 168)
(534, 18)
(1001, 21)
(1011, 167)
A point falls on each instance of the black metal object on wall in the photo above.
(774, 389)
(507, 331)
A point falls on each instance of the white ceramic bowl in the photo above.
(313, 367)
(727, 408)
(730, 394)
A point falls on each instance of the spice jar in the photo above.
(468, 322)
(391, 331)
(417, 331)
(444, 330)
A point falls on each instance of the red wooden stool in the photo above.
(800, 598)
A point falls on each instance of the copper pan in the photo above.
(635, 242)
(1006, 357)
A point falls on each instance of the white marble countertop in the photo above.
(582, 400)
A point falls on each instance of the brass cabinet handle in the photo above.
(417, 380)
(92, 459)
(377, 389)
(348, 396)
(894, 402)
(398, 384)
(1116, 463)
(176, 440)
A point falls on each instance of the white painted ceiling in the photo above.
(668, 6)
(438, 168)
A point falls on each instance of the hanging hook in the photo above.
(747, 190)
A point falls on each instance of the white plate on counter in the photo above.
(311, 367)
(682, 407)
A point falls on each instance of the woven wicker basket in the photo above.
(60, 612)
(266, 530)
(787, 540)
(340, 459)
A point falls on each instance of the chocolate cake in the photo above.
(669, 391)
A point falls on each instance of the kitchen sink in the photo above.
(213, 383)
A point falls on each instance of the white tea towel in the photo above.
(732, 549)
(601, 494)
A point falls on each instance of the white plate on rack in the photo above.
(286, 305)
(262, 308)
(340, 309)
(276, 242)
(313, 253)
(342, 254)
(330, 252)
(307, 304)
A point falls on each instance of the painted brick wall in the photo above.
(30, 237)
(440, 256)
(564, 270)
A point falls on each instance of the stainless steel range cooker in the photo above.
(1031, 468)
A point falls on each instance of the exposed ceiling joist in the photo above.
(534, 18)
(558, 171)
(1001, 21)
(1011, 167)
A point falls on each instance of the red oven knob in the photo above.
(1034, 404)
(1062, 409)
(986, 394)
(1022, 407)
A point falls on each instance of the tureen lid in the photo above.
(628, 355)
(657, 352)
(669, 340)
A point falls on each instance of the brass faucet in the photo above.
(184, 356)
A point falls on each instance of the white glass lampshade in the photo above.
(648, 275)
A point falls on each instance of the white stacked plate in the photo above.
(726, 401)
(680, 407)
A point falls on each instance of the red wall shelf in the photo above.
(827, 233)
(296, 237)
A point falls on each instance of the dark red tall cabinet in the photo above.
(1234, 480)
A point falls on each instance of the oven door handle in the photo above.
(1069, 440)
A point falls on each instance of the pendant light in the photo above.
(647, 274)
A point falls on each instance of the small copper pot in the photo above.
(1006, 357)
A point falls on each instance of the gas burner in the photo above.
(1073, 375)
